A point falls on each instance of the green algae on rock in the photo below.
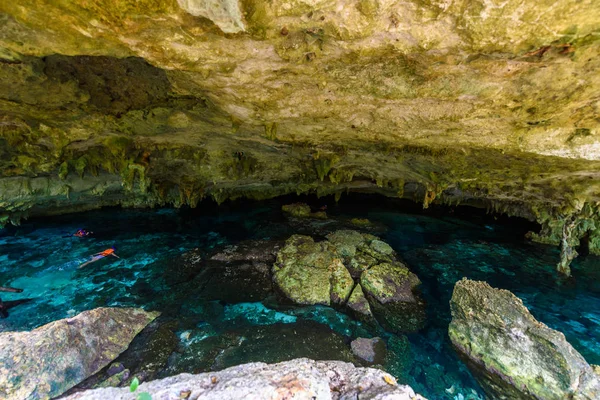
(511, 353)
(310, 272)
(358, 306)
(51, 359)
(392, 293)
(302, 210)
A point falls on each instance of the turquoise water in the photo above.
(226, 316)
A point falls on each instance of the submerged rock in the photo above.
(183, 268)
(282, 342)
(299, 379)
(392, 293)
(249, 250)
(513, 355)
(49, 360)
(371, 351)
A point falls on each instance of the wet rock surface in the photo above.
(513, 355)
(299, 378)
(49, 360)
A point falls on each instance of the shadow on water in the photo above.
(208, 322)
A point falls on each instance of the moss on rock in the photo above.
(392, 291)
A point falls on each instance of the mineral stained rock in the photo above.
(513, 355)
(51, 359)
(486, 103)
(299, 379)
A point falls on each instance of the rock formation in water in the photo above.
(488, 103)
(512, 355)
(309, 272)
(49, 360)
(298, 379)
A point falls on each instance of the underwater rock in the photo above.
(234, 282)
(249, 250)
(299, 379)
(310, 272)
(183, 268)
(281, 342)
(200, 353)
(83, 344)
(512, 355)
(150, 350)
(392, 292)
(371, 351)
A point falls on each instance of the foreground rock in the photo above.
(49, 360)
(512, 355)
(298, 379)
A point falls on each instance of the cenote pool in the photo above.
(214, 317)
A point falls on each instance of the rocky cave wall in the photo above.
(142, 103)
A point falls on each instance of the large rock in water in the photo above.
(311, 273)
(51, 359)
(512, 355)
(353, 269)
(296, 379)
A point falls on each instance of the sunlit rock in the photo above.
(299, 378)
(511, 353)
(226, 14)
(51, 359)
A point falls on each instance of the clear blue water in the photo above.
(217, 329)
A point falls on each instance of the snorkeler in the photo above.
(82, 233)
(100, 256)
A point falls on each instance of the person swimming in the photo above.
(100, 256)
(82, 233)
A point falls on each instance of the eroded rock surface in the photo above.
(513, 355)
(299, 379)
(146, 103)
(51, 359)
